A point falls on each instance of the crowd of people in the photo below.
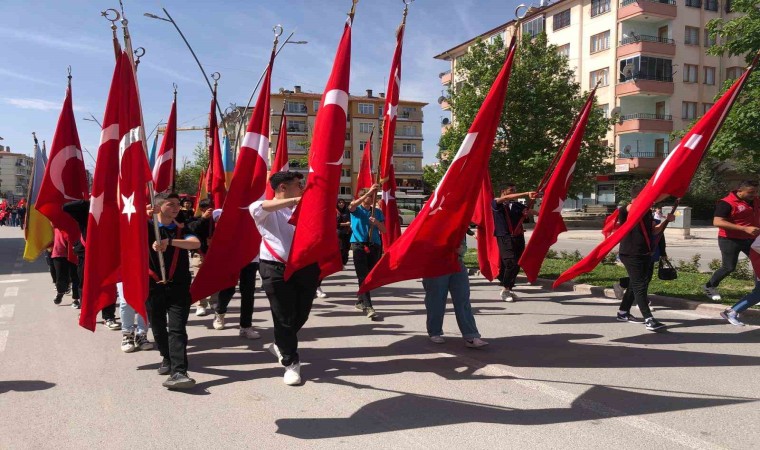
(185, 237)
(12, 215)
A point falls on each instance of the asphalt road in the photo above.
(559, 373)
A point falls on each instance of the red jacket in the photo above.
(743, 214)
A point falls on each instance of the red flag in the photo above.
(550, 224)
(314, 239)
(671, 179)
(386, 169)
(610, 224)
(134, 174)
(429, 246)
(65, 176)
(365, 181)
(163, 169)
(236, 239)
(280, 163)
(200, 193)
(216, 177)
(102, 256)
(488, 247)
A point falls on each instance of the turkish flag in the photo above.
(386, 169)
(429, 246)
(163, 168)
(102, 255)
(488, 247)
(200, 193)
(672, 178)
(550, 224)
(134, 174)
(314, 240)
(236, 238)
(610, 224)
(280, 163)
(364, 180)
(216, 177)
(65, 177)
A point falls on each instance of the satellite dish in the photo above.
(441, 99)
(282, 90)
(445, 121)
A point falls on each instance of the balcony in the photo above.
(403, 154)
(645, 122)
(647, 9)
(639, 162)
(409, 136)
(639, 43)
(410, 115)
(645, 85)
(445, 77)
(295, 129)
(408, 171)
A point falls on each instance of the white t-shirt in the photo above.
(275, 231)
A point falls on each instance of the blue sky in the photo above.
(39, 39)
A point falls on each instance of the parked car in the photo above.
(406, 216)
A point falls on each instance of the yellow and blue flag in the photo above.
(38, 231)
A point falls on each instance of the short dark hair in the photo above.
(507, 185)
(747, 184)
(204, 204)
(163, 197)
(284, 177)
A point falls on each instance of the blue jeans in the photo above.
(436, 291)
(128, 315)
(751, 299)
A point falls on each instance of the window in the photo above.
(362, 144)
(407, 130)
(345, 190)
(711, 5)
(534, 26)
(605, 109)
(296, 126)
(691, 36)
(599, 75)
(315, 103)
(689, 110)
(564, 50)
(600, 42)
(599, 7)
(409, 148)
(561, 20)
(295, 144)
(345, 172)
(295, 107)
(690, 73)
(366, 108)
(347, 154)
(706, 107)
(710, 41)
(365, 127)
(694, 3)
(647, 68)
(734, 72)
(407, 112)
(709, 77)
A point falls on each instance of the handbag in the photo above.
(666, 271)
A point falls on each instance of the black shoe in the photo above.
(57, 299)
(179, 381)
(628, 317)
(165, 367)
(76, 304)
(653, 325)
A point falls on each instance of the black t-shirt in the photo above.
(79, 210)
(203, 229)
(344, 216)
(635, 243)
(500, 211)
(182, 271)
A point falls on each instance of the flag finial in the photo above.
(353, 11)
(68, 70)
(216, 76)
(106, 14)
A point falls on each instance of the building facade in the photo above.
(651, 59)
(15, 173)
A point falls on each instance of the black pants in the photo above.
(170, 301)
(364, 261)
(729, 252)
(510, 250)
(49, 261)
(290, 302)
(639, 270)
(247, 286)
(345, 246)
(66, 275)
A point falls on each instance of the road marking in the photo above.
(3, 340)
(17, 280)
(11, 291)
(6, 311)
(595, 407)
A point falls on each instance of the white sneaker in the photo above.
(128, 343)
(275, 351)
(733, 318)
(437, 339)
(218, 321)
(475, 343)
(249, 333)
(292, 375)
(508, 296)
(201, 311)
(321, 293)
(712, 293)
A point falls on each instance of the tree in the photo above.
(431, 176)
(542, 101)
(190, 172)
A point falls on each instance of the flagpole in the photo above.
(174, 157)
(374, 196)
(30, 185)
(116, 45)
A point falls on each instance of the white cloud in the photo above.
(23, 77)
(36, 104)
(78, 44)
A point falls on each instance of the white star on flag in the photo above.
(96, 207)
(129, 206)
(387, 196)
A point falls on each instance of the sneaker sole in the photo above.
(629, 321)
(725, 316)
(468, 345)
(128, 350)
(179, 385)
(656, 328)
(292, 383)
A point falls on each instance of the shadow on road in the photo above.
(24, 386)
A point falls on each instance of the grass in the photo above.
(688, 285)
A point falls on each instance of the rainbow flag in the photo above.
(38, 231)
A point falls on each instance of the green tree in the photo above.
(431, 176)
(543, 99)
(190, 172)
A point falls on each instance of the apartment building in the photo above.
(15, 172)
(365, 115)
(650, 56)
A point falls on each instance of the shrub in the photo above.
(611, 258)
(743, 271)
(552, 254)
(715, 264)
(689, 266)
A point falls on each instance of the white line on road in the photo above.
(16, 280)
(596, 407)
(3, 340)
(11, 291)
(6, 311)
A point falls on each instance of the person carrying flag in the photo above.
(366, 243)
(508, 217)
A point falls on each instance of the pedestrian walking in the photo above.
(366, 245)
